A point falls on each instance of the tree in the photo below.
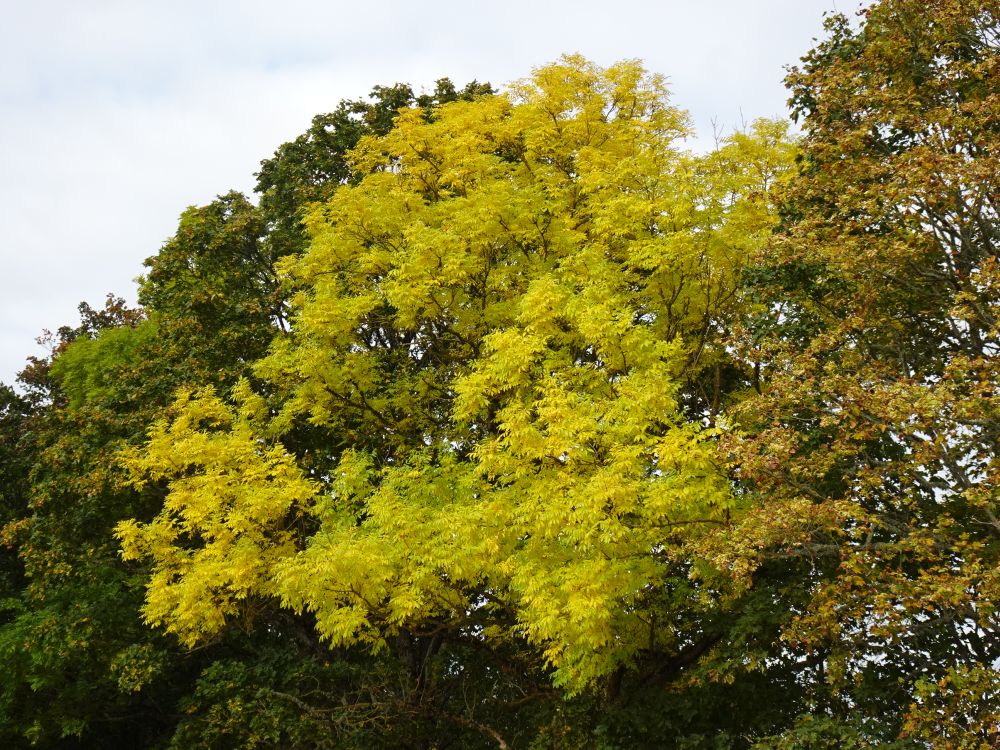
(500, 330)
(873, 445)
(72, 648)
(504, 421)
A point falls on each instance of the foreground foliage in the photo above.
(493, 330)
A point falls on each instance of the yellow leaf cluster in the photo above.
(226, 521)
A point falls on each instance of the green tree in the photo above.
(72, 637)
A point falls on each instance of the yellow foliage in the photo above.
(492, 326)
(226, 521)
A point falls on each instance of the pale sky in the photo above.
(115, 115)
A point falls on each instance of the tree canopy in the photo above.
(493, 327)
(507, 420)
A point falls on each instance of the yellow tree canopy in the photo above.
(501, 331)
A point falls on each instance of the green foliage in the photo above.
(15, 464)
(88, 368)
(819, 733)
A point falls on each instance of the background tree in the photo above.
(872, 449)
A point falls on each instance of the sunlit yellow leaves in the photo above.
(493, 326)
(226, 519)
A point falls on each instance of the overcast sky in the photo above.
(115, 115)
